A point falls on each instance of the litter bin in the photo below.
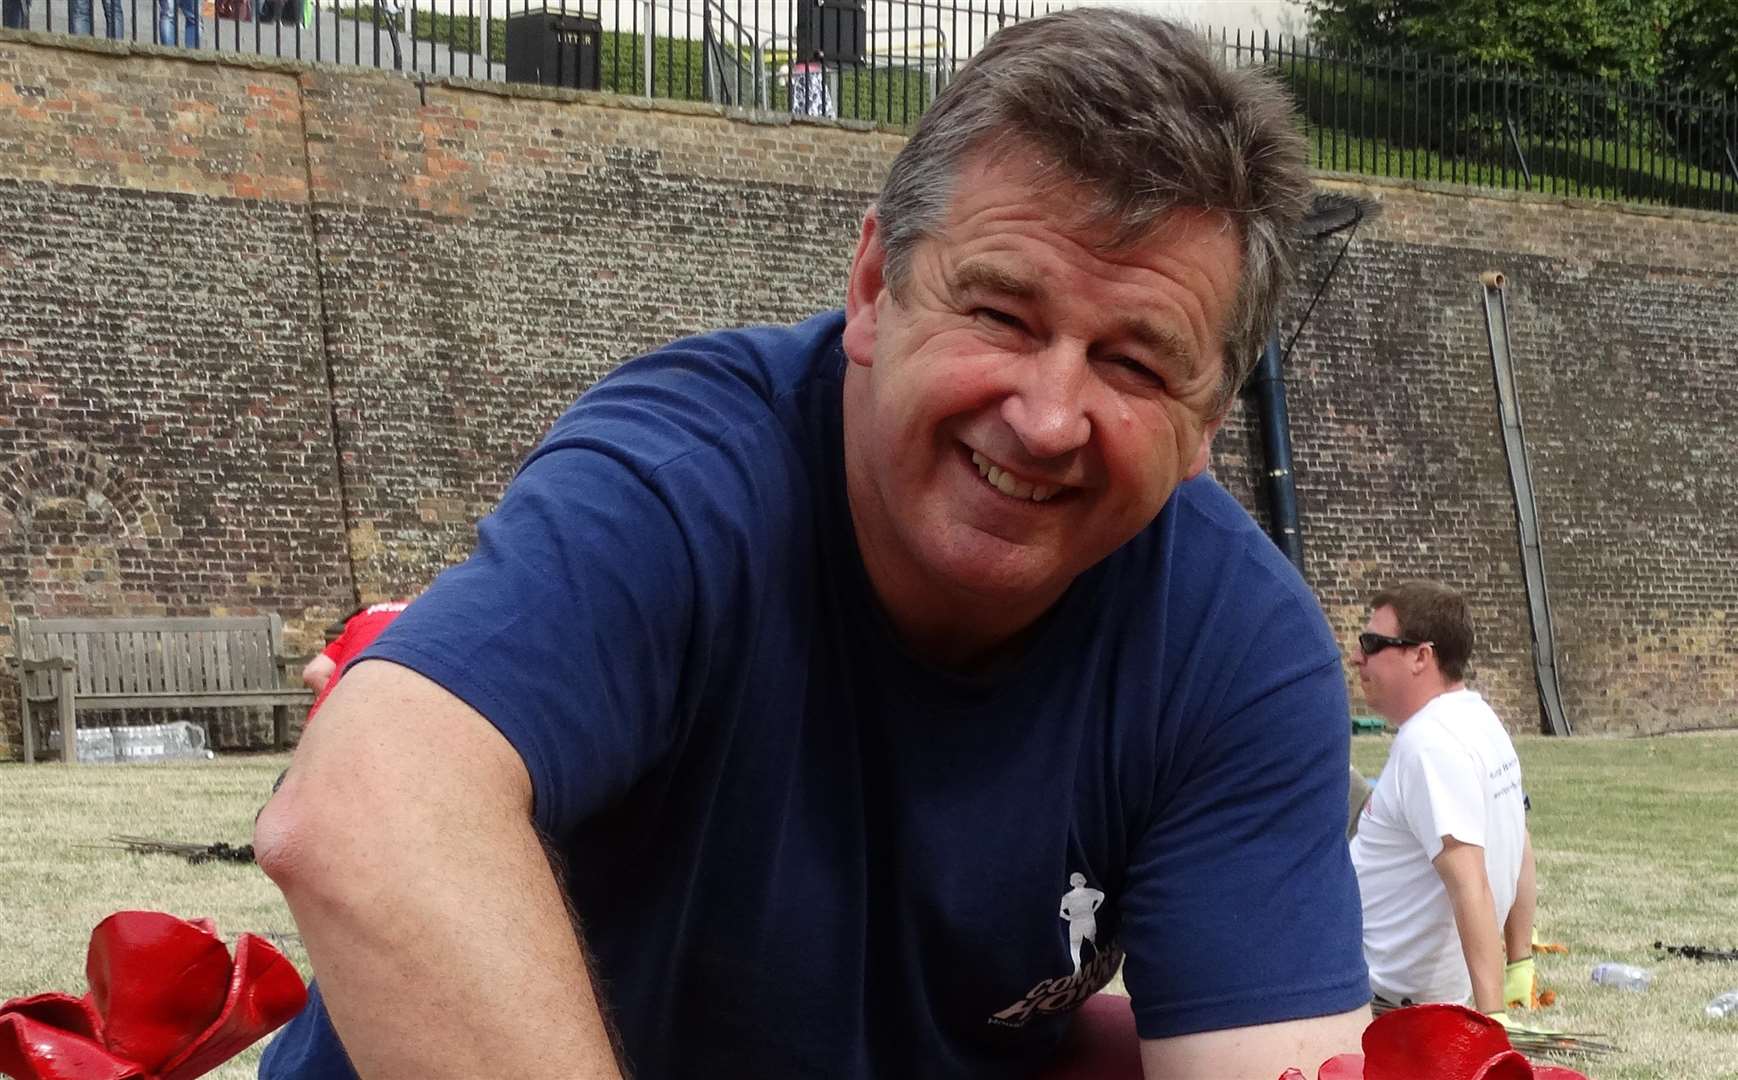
(554, 48)
(836, 31)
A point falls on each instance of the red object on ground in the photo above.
(1435, 1042)
(166, 1003)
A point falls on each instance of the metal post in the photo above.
(1269, 388)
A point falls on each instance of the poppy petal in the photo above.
(1431, 1042)
(158, 982)
(265, 992)
(63, 1011)
(1342, 1067)
(1508, 1065)
(31, 1049)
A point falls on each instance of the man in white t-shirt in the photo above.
(1442, 853)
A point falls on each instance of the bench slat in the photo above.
(150, 624)
(192, 701)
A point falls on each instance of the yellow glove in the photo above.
(1518, 985)
(1515, 1027)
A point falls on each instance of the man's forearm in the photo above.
(1518, 929)
(438, 933)
(1462, 869)
(1483, 947)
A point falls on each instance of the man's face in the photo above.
(1031, 399)
(1386, 678)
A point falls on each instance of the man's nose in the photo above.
(1046, 410)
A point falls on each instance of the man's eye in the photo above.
(1000, 318)
(1136, 368)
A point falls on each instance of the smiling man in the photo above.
(876, 686)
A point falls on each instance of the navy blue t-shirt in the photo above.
(799, 851)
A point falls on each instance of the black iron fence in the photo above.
(1424, 118)
(884, 61)
(881, 61)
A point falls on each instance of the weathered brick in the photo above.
(274, 335)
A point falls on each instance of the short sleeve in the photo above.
(1442, 794)
(566, 628)
(1241, 906)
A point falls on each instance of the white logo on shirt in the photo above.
(1080, 908)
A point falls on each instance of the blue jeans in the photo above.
(166, 23)
(15, 14)
(78, 18)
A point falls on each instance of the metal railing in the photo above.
(1383, 114)
(1422, 118)
(898, 56)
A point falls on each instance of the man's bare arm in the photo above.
(1462, 869)
(1255, 1053)
(402, 839)
(1518, 928)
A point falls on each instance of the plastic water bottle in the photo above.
(1623, 976)
(1724, 1005)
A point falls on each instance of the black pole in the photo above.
(1268, 386)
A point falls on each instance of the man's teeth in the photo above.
(1009, 484)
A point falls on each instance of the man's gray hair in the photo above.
(1136, 110)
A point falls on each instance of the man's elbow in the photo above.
(303, 847)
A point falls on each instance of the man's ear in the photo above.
(1204, 454)
(863, 292)
(1419, 664)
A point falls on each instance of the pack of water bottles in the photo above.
(179, 741)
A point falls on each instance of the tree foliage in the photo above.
(1701, 46)
(1588, 38)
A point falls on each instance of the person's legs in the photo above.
(189, 31)
(190, 19)
(114, 18)
(78, 16)
(15, 14)
(1102, 1043)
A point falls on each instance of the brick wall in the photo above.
(273, 336)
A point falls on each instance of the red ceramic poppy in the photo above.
(1435, 1042)
(166, 1003)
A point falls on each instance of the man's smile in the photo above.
(1009, 483)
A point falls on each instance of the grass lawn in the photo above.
(57, 882)
(1637, 841)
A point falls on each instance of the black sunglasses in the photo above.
(1371, 644)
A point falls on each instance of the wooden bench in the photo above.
(153, 663)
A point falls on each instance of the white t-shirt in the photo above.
(1452, 771)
